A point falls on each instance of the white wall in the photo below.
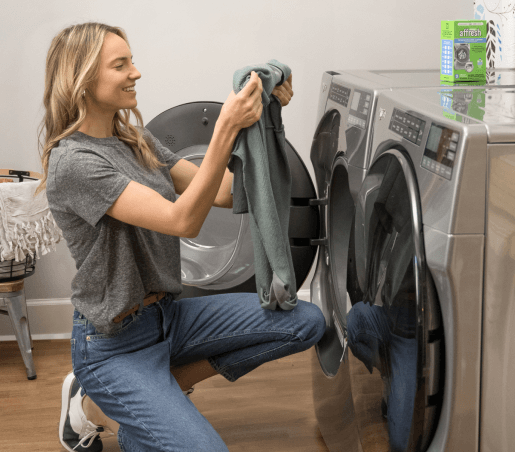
(188, 51)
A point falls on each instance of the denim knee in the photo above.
(314, 323)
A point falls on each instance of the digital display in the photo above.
(355, 101)
(441, 151)
(434, 138)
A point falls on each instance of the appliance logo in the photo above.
(382, 114)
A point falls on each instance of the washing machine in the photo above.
(430, 248)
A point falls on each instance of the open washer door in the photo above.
(394, 328)
(221, 258)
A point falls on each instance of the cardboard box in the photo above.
(463, 50)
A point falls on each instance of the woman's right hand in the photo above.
(244, 109)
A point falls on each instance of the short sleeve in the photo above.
(88, 184)
(168, 156)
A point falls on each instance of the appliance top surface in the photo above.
(484, 105)
(426, 77)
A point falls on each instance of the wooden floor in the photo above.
(269, 409)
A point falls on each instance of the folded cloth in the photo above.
(26, 223)
(262, 187)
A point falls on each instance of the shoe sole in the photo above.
(65, 407)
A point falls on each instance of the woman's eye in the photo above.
(122, 65)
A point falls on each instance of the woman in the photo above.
(111, 188)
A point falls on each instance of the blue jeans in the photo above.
(371, 341)
(128, 376)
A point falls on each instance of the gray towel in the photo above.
(262, 187)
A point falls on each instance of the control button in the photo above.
(417, 124)
(455, 136)
(451, 155)
(365, 111)
(448, 173)
(452, 146)
(404, 119)
(368, 96)
(367, 104)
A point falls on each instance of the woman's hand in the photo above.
(284, 92)
(244, 109)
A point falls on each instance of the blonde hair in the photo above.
(73, 61)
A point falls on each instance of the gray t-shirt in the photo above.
(117, 263)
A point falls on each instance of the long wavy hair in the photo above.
(73, 61)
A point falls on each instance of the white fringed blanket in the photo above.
(26, 223)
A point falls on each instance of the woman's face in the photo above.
(116, 73)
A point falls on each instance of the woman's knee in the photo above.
(313, 321)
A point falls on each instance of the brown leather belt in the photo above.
(149, 299)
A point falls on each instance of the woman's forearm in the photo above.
(224, 197)
(196, 201)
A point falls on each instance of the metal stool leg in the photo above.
(16, 306)
(24, 303)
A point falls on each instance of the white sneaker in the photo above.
(74, 427)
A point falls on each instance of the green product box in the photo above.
(463, 51)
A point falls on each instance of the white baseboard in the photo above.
(52, 319)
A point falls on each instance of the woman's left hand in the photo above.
(284, 92)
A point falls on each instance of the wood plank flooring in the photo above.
(269, 409)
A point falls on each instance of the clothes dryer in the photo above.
(430, 276)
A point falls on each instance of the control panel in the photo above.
(408, 126)
(339, 94)
(440, 151)
(359, 109)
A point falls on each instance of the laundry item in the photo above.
(262, 188)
